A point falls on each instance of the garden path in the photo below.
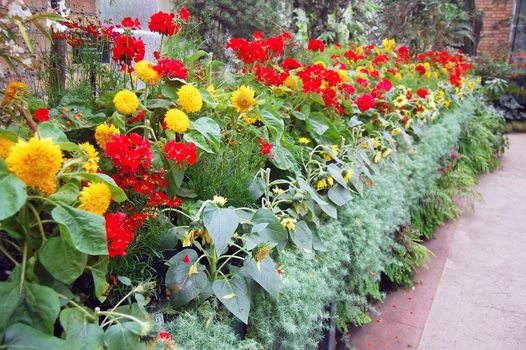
(472, 296)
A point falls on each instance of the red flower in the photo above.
(129, 153)
(163, 23)
(422, 92)
(290, 63)
(384, 85)
(365, 102)
(127, 49)
(186, 259)
(316, 45)
(266, 148)
(181, 152)
(138, 117)
(184, 14)
(128, 22)
(420, 69)
(165, 336)
(42, 114)
(172, 68)
(118, 235)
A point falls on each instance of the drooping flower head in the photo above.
(243, 99)
(104, 132)
(95, 198)
(177, 120)
(36, 162)
(126, 102)
(189, 98)
(13, 91)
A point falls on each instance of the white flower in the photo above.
(16, 10)
(26, 61)
(221, 201)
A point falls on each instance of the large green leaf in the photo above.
(221, 223)
(283, 159)
(317, 125)
(85, 336)
(267, 228)
(13, 192)
(9, 299)
(23, 337)
(234, 294)
(39, 307)
(265, 274)
(199, 141)
(86, 231)
(53, 131)
(66, 194)
(61, 260)
(119, 336)
(302, 237)
(209, 129)
(183, 285)
(117, 194)
(339, 195)
(274, 123)
(99, 270)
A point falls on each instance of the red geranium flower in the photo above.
(181, 152)
(171, 68)
(127, 49)
(42, 114)
(129, 153)
(118, 235)
(184, 14)
(163, 23)
(420, 69)
(266, 148)
(422, 92)
(290, 63)
(316, 45)
(365, 102)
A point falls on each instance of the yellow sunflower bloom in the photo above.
(144, 71)
(348, 175)
(126, 102)
(189, 98)
(95, 198)
(289, 223)
(13, 91)
(92, 164)
(243, 99)
(303, 140)
(5, 147)
(177, 120)
(104, 132)
(290, 82)
(251, 120)
(36, 162)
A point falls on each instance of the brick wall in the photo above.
(495, 35)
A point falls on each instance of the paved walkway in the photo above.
(473, 295)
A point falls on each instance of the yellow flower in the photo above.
(348, 175)
(212, 92)
(364, 144)
(36, 163)
(145, 72)
(330, 181)
(261, 253)
(343, 75)
(289, 223)
(389, 44)
(321, 63)
(376, 142)
(386, 153)
(189, 98)
(334, 149)
(92, 164)
(290, 82)
(396, 131)
(400, 101)
(95, 198)
(251, 120)
(177, 120)
(5, 147)
(104, 132)
(377, 157)
(126, 102)
(303, 140)
(221, 201)
(243, 99)
(13, 90)
(278, 90)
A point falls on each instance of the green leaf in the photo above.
(327, 208)
(117, 194)
(85, 336)
(99, 270)
(302, 237)
(221, 223)
(39, 307)
(86, 231)
(62, 260)
(119, 336)
(199, 140)
(23, 337)
(51, 130)
(265, 274)
(317, 125)
(73, 315)
(273, 232)
(209, 129)
(9, 299)
(25, 35)
(13, 192)
(9, 135)
(182, 285)
(66, 194)
(283, 159)
(336, 174)
(159, 103)
(339, 195)
(274, 123)
(234, 295)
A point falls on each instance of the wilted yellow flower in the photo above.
(104, 133)
(261, 252)
(177, 120)
(290, 82)
(36, 162)
(364, 144)
(212, 92)
(126, 102)
(13, 90)
(388, 44)
(348, 175)
(303, 140)
(95, 198)
(144, 70)
(243, 99)
(377, 157)
(5, 147)
(221, 201)
(92, 164)
(278, 90)
(189, 98)
(334, 149)
(330, 181)
(322, 184)
(386, 152)
(289, 223)
(251, 120)
(277, 191)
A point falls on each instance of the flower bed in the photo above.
(218, 196)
